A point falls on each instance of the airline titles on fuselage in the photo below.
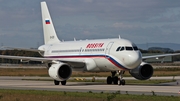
(89, 48)
(94, 45)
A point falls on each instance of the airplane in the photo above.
(115, 55)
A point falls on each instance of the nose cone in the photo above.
(133, 60)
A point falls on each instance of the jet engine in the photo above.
(143, 72)
(60, 71)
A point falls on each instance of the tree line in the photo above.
(18, 53)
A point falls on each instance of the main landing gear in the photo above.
(114, 79)
(57, 82)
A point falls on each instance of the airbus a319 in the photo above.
(100, 55)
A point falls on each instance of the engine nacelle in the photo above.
(60, 71)
(143, 72)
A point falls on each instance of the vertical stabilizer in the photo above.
(48, 27)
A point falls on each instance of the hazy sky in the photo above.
(141, 21)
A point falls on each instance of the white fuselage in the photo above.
(88, 55)
(98, 55)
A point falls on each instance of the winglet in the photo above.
(50, 35)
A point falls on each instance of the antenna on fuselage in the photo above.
(119, 37)
(74, 39)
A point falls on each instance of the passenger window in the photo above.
(129, 48)
(118, 49)
(122, 48)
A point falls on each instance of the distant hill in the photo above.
(164, 50)
(173, 46)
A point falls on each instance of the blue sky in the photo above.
(141, 21)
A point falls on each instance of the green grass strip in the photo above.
(36, 95)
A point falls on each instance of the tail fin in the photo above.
(48, 27)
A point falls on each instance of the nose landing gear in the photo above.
(114, 79)
(121, 80)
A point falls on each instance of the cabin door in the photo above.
(108, 48)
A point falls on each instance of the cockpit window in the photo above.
(118, 49)
(122, 48)
(129, 48)
(135, 48)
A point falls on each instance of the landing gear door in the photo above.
(108, 48)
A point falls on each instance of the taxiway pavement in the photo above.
(167, 89)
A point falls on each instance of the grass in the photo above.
(23, 72)
(32, 95)
(43, 72)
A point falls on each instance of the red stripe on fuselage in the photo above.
(114, 62)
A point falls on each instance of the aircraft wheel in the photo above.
(123, 82)
(56, 82)
(109, 80)
(63, 82)
(115, 80)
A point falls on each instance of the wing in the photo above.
(159, 56)
(26, 58)
(73, 63)
(32, 50)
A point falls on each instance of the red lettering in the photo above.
(101, 44)
(92, 45)
(95, 45)
(88, 46)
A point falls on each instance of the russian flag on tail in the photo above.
(47, 21)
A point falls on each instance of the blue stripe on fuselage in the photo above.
(113, 61)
